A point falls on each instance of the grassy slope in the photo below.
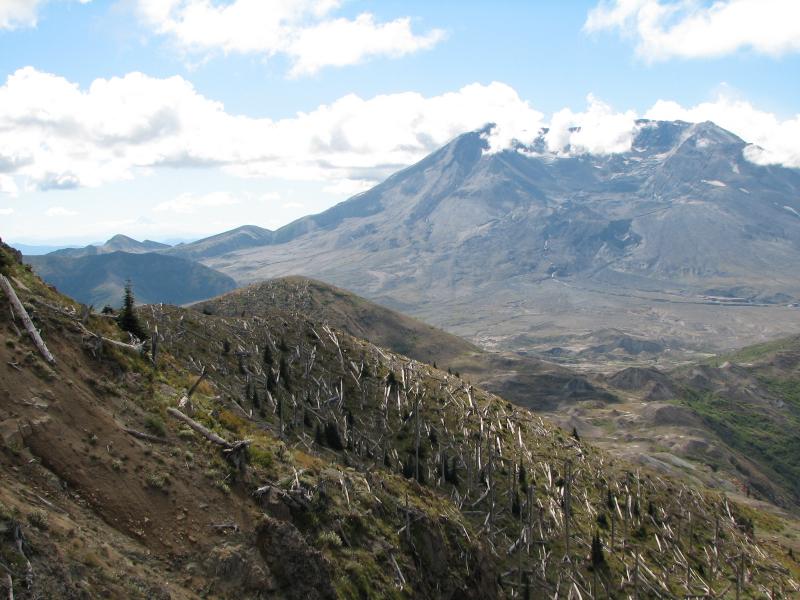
(350, 522)
(525, 381)
(751, 399)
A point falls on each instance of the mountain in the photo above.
(99, 279)
(241, 238)
(118, 243)
(526, 381)
(681, 239)
(259, 457)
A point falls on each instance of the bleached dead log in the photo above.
(206, 433)
(139, 348)
(26, 320)
(10, 586)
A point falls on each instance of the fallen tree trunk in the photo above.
(138, 348)
(235, 452)
(206, 433)
(145, 436)
(26, 320)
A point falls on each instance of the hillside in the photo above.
(751, 398)
(735, 413)
(681, 241)
(100, 279)
(361, 474)
(526, 381)
(631, 412)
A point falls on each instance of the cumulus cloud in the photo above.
(6, 211)
(53, 134)
(59, 211)
(8, 185)
(190, 203)
(15, 14)
(18, 13)
(691, 29)
(56, 135)
(597, 130)
(775, 141)
(302, 30)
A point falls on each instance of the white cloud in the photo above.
(302, 30)
(191, 203)
(59, 211)
(692, 29)
(56, 135)
(8, 185)
(775, 141)
(293, 205)
(18, 13)
(597, 130)
(6, 211)
(15, 14)
(342, 42)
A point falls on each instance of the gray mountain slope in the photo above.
(518, 247)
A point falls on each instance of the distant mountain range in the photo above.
(118, 243)
(99, 278)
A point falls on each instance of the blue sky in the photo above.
(181, 118)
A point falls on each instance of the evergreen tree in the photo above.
(333, 438)
(523, 476)
(127, 319)
(285, 377)
(597, 551)
(267, 355)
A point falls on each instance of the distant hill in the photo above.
(118, 243)
(99, 279)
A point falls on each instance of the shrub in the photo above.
(155, 425)
(38, 519)
(157, 480)
(330, 539)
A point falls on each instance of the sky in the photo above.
(176, 119)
